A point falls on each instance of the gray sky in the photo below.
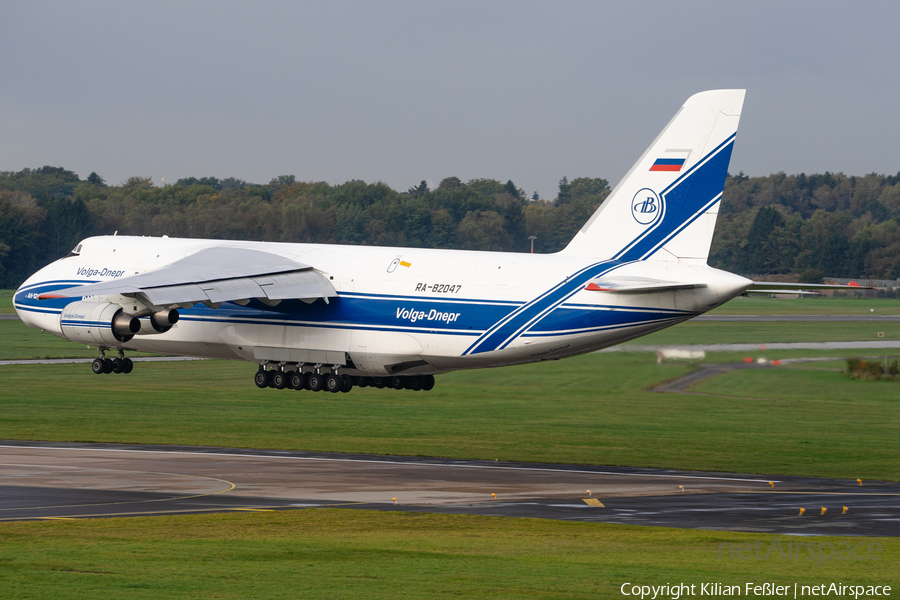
(405, 91)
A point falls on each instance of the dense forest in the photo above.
(808, 226)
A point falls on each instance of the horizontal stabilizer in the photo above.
(803, 289)
(635, 285)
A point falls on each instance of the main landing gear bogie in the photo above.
(103, 365)
(334, 382)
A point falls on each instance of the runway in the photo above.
(48, 480)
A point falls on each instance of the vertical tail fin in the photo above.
(666, 206)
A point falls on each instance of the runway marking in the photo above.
(398, 463)
(58, 518)
(231, 486)
(256, 509)
(593, 502)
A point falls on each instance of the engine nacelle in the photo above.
(159, 322)
(97, 323)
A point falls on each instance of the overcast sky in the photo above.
(406, 91)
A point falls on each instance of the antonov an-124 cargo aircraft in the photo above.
(316, 316)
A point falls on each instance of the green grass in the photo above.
(755, 305)
(739, 332)
(332, 553)
(6, 306)
(22, 342)
(591, 409)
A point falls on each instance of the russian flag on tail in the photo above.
(667, 164)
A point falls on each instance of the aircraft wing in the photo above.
(637, 285)
(216, 275)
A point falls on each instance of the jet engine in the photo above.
(159, 322)
(97, 323)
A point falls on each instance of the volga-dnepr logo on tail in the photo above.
(645, 207)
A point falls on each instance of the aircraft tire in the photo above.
(296, 380)
(315, 382)
(398, 382)
(288, 381)
(129, 366)
(107, 365)
(414, 382)
(378, 382)
(117, 365)
(279, 381)
(272, 377)
(261, 379)
(98, 366)
(362, 381)
(346, 383)
(428, 383)
(333, 383)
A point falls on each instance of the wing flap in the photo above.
(303, 284)
(233, 289)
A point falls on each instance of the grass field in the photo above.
(757, 305)
(332, 553)
(6, 306)
(589, 409)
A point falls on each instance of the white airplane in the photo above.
(316, 316)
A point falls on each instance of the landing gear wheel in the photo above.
(279, 381)
(107, 365)
(414, 383)
(398, 382)
(346, 383)
(333, 383)
(297, 381)
(428, 382)
(117, 365)
(288, 379)
(316, 382)
(272, 377)
(129, 366)
(98, 366)
(378, 382)
(261, 379)
(363, 381)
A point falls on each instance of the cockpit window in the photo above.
(75, 251)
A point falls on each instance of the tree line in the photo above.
(45, 212)
(806, 226)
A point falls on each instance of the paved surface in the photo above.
(9, 317)
(682, 384)
(56, 480)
